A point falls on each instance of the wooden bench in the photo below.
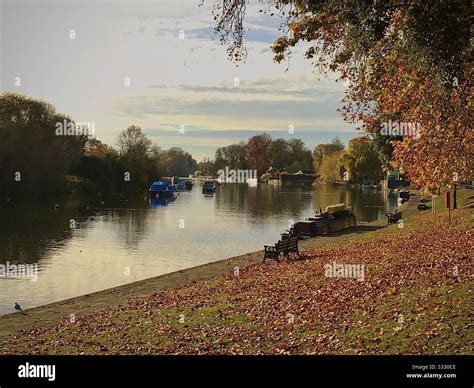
(393, 217)
(422, 206)
(293, 246)
(274, 252)
(282, 248)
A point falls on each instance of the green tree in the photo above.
(176, 162)
(100, 165)
(279, 152)
(322, 150)
(235, 156)
(330, 169)
(34, 159)
(301, 158)
(361, 160)
(135, 157)
(219, 162)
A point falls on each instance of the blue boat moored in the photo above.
(162, 190)
(209, 187)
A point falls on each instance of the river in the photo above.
(85, 246)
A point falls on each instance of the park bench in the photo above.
(393, 217)
(293, 246)
(422, 206)
(282, 248)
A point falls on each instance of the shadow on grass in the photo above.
(355, 229)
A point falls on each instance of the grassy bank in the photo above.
(416, 297)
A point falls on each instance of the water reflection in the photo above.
(158, 202)
(29, 231)
(150, 238)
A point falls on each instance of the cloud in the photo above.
(140, 106)
(297, 87)
(173, 81)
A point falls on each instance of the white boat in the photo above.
(252, 181)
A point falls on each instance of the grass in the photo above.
(416, 299)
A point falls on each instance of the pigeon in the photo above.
(17, 307)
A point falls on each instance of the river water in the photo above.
(85, 246)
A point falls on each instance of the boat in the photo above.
(162, 190)
(333, 209)
(366, 185)
(208, 187)
(252, 182)
(180, 185)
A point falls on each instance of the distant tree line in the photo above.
(331, 161)
(35, 160)
(260, 153)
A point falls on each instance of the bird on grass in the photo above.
(18, 308)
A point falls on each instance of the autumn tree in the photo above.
(100, 164)
(408, 61)
(135, 151)
(207, 167)
(257, 153)
(322, 150)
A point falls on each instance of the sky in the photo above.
(157, 64)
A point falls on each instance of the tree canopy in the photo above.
(33, 159)
(405, 61)
(36, 158)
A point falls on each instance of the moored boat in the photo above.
(208, 187)
(252, 182)
(180, 185)
(162, 190)
(366, 185)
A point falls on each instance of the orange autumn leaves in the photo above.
(410, 63)
(414, 299)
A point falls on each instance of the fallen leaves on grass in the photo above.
(291, 307)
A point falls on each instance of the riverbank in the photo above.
(184, 290)
(50, 314)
